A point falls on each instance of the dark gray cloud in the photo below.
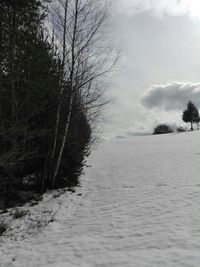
(172, 96)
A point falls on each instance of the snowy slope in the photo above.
(140, 207)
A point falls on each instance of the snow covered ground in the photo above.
(139, 206)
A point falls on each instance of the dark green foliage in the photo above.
(30, 72)
(29, 80)
(191, 114)
(162, 129)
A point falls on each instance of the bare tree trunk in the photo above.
(1, 44)
(12, 59)
(71, 85)
(86, 58)
(61, 82)
(63, 143)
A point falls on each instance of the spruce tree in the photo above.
(29, 72)
(30, 75)
(191, 114)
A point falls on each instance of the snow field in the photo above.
(139, 207)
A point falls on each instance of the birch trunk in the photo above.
(59, 158)
(61, 82)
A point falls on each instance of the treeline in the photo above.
(190, 115)
(50, 62)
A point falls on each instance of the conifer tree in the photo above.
(191, 114)
(28, 72)
(30, 75)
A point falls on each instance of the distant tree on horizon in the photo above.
(191, 114)
(162, 129)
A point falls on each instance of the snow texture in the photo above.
(139, 206)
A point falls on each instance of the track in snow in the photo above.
(140, 207)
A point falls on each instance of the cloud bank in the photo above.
(171, 97)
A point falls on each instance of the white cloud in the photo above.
(160, 44)
(172, 96)
(161, 7)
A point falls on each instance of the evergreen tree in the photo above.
(30, 74)
(191, 114)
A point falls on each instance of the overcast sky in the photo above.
(160, 67)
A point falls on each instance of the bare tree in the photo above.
(79, 27)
